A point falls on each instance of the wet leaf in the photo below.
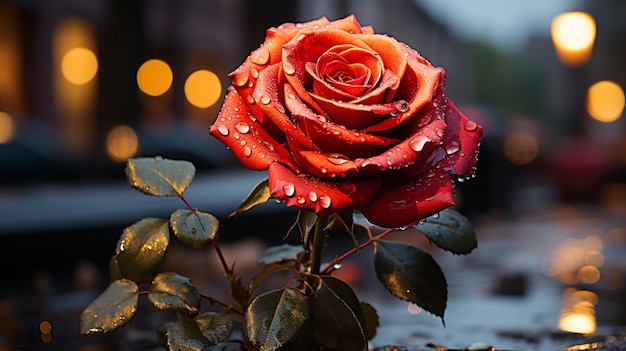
(371, 320)
(141, 248)
(193, 228)
(449, 230)
(338, 320)
(280, 253)
(274, 317)
(305, 222)
(411, 274)
(159, 176)
(266, 271)
(216, 328)
(260, 194)
(185, 335)
(113, 309)
(174, 292)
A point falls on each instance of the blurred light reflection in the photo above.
(7, 128)
(154, 77)
(578, 314)
(122, 143)
(573, 34)
(203, 88)
(605, 101)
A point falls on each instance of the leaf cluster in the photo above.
(313, 311)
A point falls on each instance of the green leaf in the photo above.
(193, 228)
(260, 194)
(274, 317)
(158, 176)
(141, 248)
(280, 253)
(113, 309)
(338, 320)
(185, 335)
(174, 292)
(305, 222)
(411, 274)
(449, 230)
(216, 328)
(371, 320)
(266, 271)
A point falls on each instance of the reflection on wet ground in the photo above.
(536, 282)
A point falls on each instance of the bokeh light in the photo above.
(573, 35)
(79, 66)
(154, 77)
(7, 128)
(121, 143)
(578, 314)
(521, 148)
(203, 88)
(605, 101)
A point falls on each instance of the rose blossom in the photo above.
(346, 119)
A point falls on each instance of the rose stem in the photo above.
(319, 241)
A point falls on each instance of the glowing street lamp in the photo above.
(573, 35)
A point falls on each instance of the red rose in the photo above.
(346, 119)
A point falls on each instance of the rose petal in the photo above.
(321, 87)
(411, 150)
(418, 74)
(248, 141)
(332, 138)
(358, 116)
(307, 47)
(462, 142)
(392, 54)
(324, 166)
(269, 100)
(316, 195)
(400, 203)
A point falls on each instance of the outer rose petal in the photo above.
(319, 196)
(464, 135)
(401, 202)
(250, 143)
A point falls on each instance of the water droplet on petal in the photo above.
(242, 127)
(301, 200)
(471, 126)
(261, 56)
(436, 216)
(337, 159)
(289, 189)
(453, 147)
(325, 201)
(254, 73)
(265, 100)
(247, 151)
(250, 99)
(312, 196)
(240, 80)
(417, 144)
(289, 68)
(222, 129)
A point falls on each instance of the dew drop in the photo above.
(325, 201)
(254, 73)
(337, 159)
(242, 127)
(337, 266)
(289, 68)
(265, 100)
(247, 151)
(240, 80)
(289, 189)
(453, 147)
(261, 56)
(250, 99)
(471, 126)
(436, 216)
(312, 196)
(418, 143)
(301, 200)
